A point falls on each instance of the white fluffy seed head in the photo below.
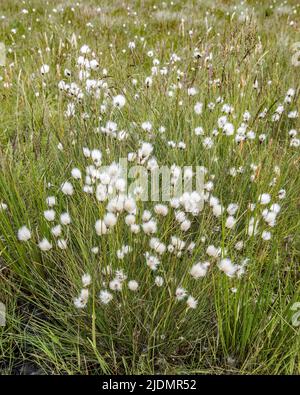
(44, 69)
(110, 220)
(230, 222)
(51, 201)
(161, 209)
(133, 285)
(252, 227)
(177, 243)
(217, 210)
(130, 219)
(86, 152)
(135, 228)
(175, 202)
(198, 108)
(270, 218)
(56, 230)
(119, 101)
(213, 251)
(94, 64)
(3, 206)
(76, 173)
(130, 205)
(239, 245)
(191, 302)
(96, 155)
(185, 225)
(49, 215)
(146, 216)
(191, 246)
(62, 244)
(120, 185)
(105, 296)
(157, 245)
(264, 198)
(199, 270)
(228, 129)
(82, 300)
(65, 219)
(45, 245)
(101, 192)
(158, 281)
(67, 188)
(145, 150)
(115, 284)
(152, 261)
(266, 235)
(232, 208)
(95, 250)
(24, 234)
(104, 178)
(180, 216)
(100, 227)
(86, 279)
(275, 208)
(180, 293)
(213, 201)
(227, 267)
(149, 227)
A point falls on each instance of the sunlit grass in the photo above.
(240, 52)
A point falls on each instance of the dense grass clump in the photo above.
(101, 102)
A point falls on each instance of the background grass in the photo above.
(249, 331)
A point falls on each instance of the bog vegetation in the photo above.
(97, 275)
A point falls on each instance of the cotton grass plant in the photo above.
(96, 277)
